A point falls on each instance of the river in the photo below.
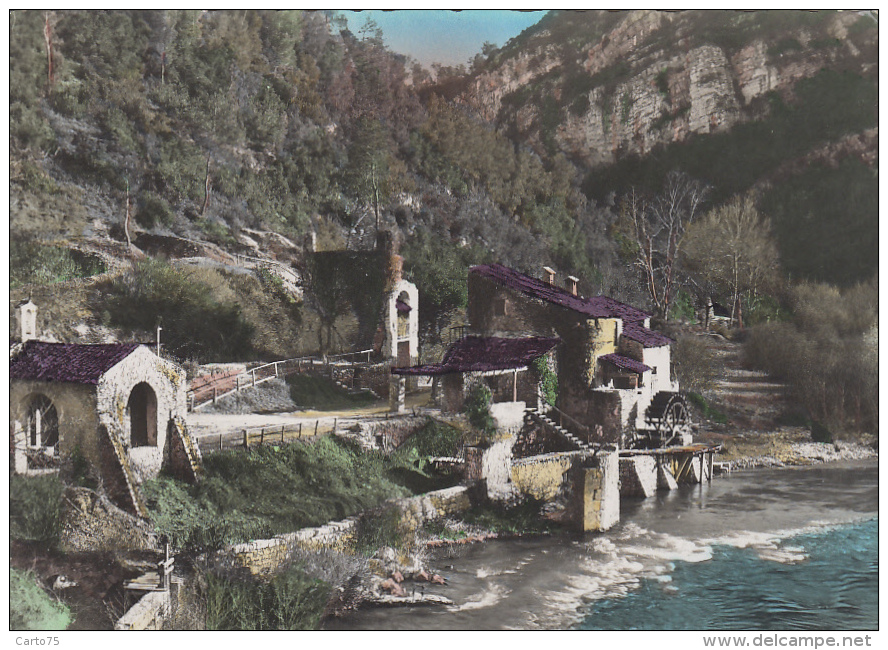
(766, 549)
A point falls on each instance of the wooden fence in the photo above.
(278, 434)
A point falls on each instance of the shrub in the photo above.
(693, 364)
(153, 210)
(523, 517)
(35, 509)
(477, 408)
(709, 412)
(291, 600)
(819, 433)
(548, 380)
(379, 527)
(195, 323)
(32, 262)
(30, 607)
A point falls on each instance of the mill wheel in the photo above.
(674, 426)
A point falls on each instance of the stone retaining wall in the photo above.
(90, 522)
(263, 556)
(541, 476)
(147, 614)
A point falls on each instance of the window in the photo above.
(43, 423)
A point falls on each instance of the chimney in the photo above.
(27, 320)
(549, 275)
(572, 284)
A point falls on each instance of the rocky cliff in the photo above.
(598, 85)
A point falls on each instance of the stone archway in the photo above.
(42, 422)
(142, 408)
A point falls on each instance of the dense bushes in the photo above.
(828, 354)
(693, 364)
(31, 262)
(30, 607)
(291, 600)
(35, 509)
(194, 324)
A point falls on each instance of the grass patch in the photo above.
(31, 262)
(35, 509)
(268, 490)
(522, 518)
(30, 607)
(709, 411)
(291, 600)
(322, 394)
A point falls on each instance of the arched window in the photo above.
(43, 422)
(142, 407)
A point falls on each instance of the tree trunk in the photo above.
(47, 38)
(206, 189)
(126, 219)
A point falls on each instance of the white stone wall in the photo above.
(659, 359)
(391, 321)
(166, 379)
(508, 416)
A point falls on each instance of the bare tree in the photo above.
(732, 247)
(656, 228)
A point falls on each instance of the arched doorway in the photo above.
(142, 407)
(43, 422)
(403, 307)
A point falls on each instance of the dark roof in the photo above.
(647, 337)
(625, 363)
(64, 362)
(595, 307)
(402, 307)
(477, 354)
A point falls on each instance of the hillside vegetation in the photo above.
(211, 134)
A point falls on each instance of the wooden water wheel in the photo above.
(667, 421)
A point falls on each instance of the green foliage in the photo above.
(819, 433)
(291, 600)
(682, 306)
(32, 262)
(662, 82)
(548, 380)
(30, 607)
(153, 210)
(322, 394)
(827, 354)
(195, 324)
(269, 490)
(35, 509)
(439, 269)
(379, 527)
(709, 411)
(693, 364)
(523, 518)
(477, 408)
(81, 473)
(434, 438)
(825, 219)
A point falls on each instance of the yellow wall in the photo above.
(541, 476)
(603, 339)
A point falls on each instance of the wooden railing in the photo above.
(562, 416)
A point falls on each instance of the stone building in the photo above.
(610, 363)
(118, 407)
(504, 365)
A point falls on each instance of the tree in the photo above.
(732, 248)
(655, 228)
(368, 166)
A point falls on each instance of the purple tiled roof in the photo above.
(625, 363)
(67, 362)
(477, 354)
(595, 307)
(647, 337)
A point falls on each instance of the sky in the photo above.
(444, 36)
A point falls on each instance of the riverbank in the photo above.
(752, 520)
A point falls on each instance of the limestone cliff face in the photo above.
(656, 77)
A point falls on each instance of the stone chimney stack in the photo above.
(549, 275)
(572, 284)
(27, 320)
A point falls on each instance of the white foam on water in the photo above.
(481, 600)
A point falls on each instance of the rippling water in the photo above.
(763, 549)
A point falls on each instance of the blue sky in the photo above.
(443, 36)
